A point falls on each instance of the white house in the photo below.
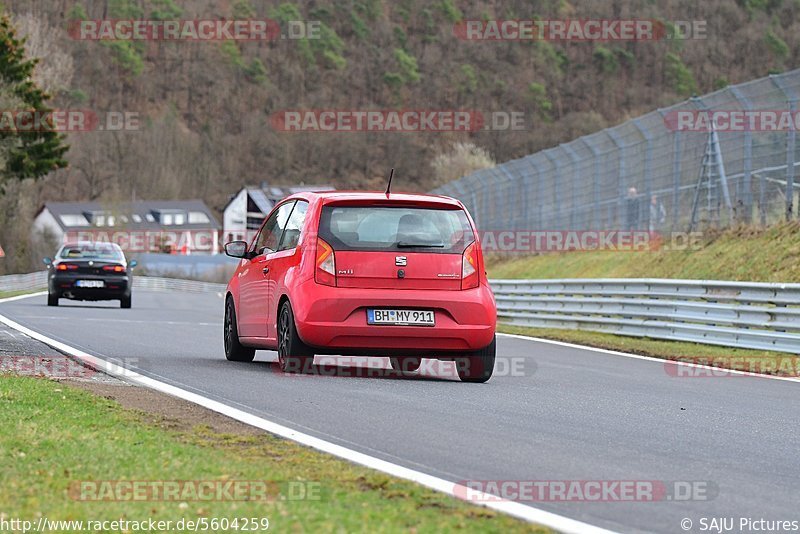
(247, 209)
(174, 226)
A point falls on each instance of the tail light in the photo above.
(66, 267)
(325, 272)
(114, 268)
(469, 267)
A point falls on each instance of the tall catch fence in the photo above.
(654, 172)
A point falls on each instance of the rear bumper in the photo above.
(63, 286)
(335, 319)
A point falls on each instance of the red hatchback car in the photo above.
(357, 273)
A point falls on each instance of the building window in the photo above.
(73, 220)
(167, 219)
(180, 218)
(198, 217)
(136, 218)
(149, 217)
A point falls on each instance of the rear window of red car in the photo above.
(396, 228)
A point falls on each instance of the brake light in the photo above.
(66, 267)
(325, 273)
(114, 268)
(469, 267)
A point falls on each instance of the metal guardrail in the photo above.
(38, 281)
(23, 282)
(732, 314)
(153, 283)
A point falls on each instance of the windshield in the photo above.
(391, 229)
(92, 251)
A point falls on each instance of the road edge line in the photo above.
(515, 509)
(649, 358)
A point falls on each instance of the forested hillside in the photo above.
(205, 106)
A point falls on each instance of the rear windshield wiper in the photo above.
(404, 244)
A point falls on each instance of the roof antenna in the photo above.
(389, 187)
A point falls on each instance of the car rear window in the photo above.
(395, 229)
(96, 251)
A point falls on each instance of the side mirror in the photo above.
(236, 249)
(133, 263)
(47, 261)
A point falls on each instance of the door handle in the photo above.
(265, 270)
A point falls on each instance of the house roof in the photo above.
(145, 208)
(266, 196)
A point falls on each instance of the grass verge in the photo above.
(756, 361)
(7, 294)
(52, 436)
(753, 254)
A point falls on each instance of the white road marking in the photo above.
(106, 320)
(650, 358)
(521, 511)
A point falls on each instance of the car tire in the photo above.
(294, 356)
(125, 302)
(234, 350)
(52, 300)
(477, 366)
(408, 364)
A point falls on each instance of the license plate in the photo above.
(90, 283)
(401, 317)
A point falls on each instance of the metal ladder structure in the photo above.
(712, 179)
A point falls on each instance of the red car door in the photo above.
(284, 263)
(254, 286)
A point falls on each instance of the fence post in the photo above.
(791, 99)
(595, 224)
(648, 168)
(620, 185)
(539, 190)
(510, 204)
(747, 166)
(676, 172)
(575, 180)
(556, 184)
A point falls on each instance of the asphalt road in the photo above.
(562, 414)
